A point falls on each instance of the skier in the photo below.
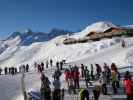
(123, 44)
(108, 72)
(47, 64)
(45, 88)
(82, 70)
(84, 94)
(20, 69)
(57, 74)
(12, 71)
(87, 77)
(24, 68)
(35, 65)
(98, 70)
(97, 90)
(6, 70)
(67, 76)
(71, 87)
(118, 79)
(92, 76)
(76, 77)
(61, 65)
(42, 66)
(51, 62)
(57, 65)
(39, 68)
(128, 86)
(15, 70)
(0, 71)
(27, 68)
(104, 82)
(114, 67)
(57, 90)
(114, 79)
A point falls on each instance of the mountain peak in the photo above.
(28, 37)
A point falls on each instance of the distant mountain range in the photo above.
(32, 46)
(28, 37)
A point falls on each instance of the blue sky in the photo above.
(43, 15)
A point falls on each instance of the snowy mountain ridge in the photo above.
(14, 51)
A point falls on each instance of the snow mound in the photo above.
(95, 27)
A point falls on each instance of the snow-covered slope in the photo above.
(28, 37)
(15, 54)
(54, 49)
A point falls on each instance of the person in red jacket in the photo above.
(76, 78)
(128, 86)
(67, 76)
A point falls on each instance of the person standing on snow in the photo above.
(128, 86)
(92, 70)
(104, 82)
(97, 90)
(82, 70)
(61, 65)
(67, 76)
(47, 64)
(98, 70)
(0, 71)
(57, 89)
(45, 88)
(123, 44)
(114, 81)
(51, 62)
(108, 72)
(71, 87)
(114, 77)
(27, 68)
(57, 65)
(39, 68)
(57, 74)
(42, 66)
(87, 77)
(76, 77)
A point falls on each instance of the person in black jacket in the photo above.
(45, 88)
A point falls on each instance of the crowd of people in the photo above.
(100, 78)
(96, 75)
(14, 70)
